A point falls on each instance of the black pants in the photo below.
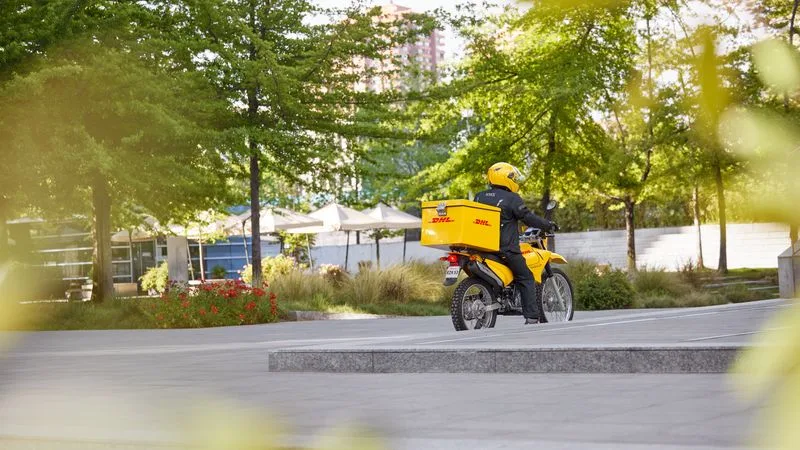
(525, 283)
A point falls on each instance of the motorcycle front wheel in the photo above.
(556, 298)
(468, 306)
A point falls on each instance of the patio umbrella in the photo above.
(392, 219)
(336, 217)
(147, 230)
(271, 220)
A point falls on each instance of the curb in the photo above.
(661, 359)
(300, 316)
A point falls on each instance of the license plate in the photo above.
(452, 273)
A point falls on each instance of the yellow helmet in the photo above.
(506, 175)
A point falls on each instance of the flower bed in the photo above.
(212, 304)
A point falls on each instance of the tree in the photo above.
(291, 82)
(530, 81)
(120, 135)
(779, 17)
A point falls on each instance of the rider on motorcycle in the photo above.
(504, 180)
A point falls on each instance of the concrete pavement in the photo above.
(136, 389)
(700, 340)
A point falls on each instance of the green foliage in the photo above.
(690, 300)
(219, 272)
(659, 282)
(296, 286)
(271, 267)
(610, 290)
(296, 245)
(112, 314)
(333, 274)
(156, 279)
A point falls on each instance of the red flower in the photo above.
(182, 296)
(232, 293)
(241, 316)
(202, 311)
(272, 296)
(250, 306)
(160, 317)
(185, 316)
(214, 309)
(258, 292)
(273, 305)
(185, 304)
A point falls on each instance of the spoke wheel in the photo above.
(468, 306)
(557, 304)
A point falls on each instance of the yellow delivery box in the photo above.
(460, 223)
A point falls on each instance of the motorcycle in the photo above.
(489, 290)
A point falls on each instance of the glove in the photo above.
(554, 226)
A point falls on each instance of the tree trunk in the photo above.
(102, 268)
(255, 171)
(255, 211)
(630, 229)
(696, 214)
(723, 221)
(547, 179)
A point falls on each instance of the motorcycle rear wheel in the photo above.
(467, 308)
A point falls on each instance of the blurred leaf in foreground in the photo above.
(770, 370)
(778, 65)
(13, 288)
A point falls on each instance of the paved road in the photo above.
(131, 389)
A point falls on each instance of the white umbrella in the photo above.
(336, 217)
(147, 230)
(271, 220)
(392, 219)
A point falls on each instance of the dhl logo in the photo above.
(441, 220)
(482, 222)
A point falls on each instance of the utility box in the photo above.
(789, 272)
(460, 223)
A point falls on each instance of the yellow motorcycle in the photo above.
(469, 231)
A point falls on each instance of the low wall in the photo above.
(749, 245)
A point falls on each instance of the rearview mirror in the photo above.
(552, 205)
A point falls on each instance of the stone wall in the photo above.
(749, 245)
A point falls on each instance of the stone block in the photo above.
(320, 361)
(447, 361)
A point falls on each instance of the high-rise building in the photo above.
(412, 65)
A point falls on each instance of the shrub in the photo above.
(692, 299)
(219, 272)
(333, 274)
(658, 282)
(579, 269)
(364, 265)
(297, 286)
(212, 304)
(610, 290)
(271, 267)
(690, 273)
(155, 280)
(364, 287)
(397, 284)
(739, 293)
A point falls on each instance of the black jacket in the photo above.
(512, 210)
